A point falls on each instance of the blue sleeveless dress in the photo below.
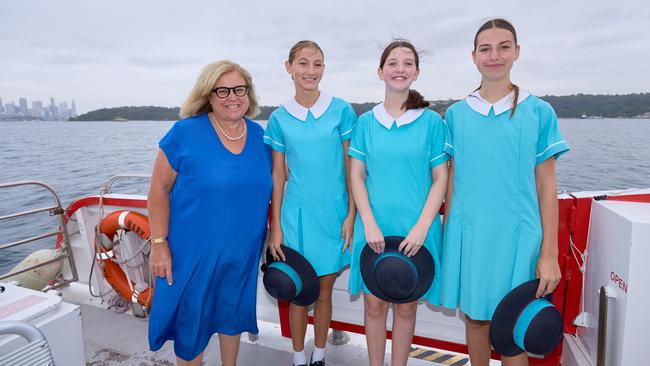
(217, 223)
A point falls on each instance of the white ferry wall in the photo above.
(435, 327)
(618, 252)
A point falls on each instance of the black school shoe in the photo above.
(318, 363)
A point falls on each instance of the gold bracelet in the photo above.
(159, 240)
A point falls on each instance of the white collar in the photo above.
(318, 109)
(482, 106)
(381, 114)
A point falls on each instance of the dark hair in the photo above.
(415, 100)
(501, 24)
(301, 45)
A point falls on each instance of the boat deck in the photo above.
(119, 339)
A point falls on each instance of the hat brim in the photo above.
(506, 314)
(422, 260)
(310, 284)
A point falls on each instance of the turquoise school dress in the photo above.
(217, 224)
(493, 233)
(315, 198)
(399, 155)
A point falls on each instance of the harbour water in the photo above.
(76, 157)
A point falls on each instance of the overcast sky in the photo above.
(115, 53)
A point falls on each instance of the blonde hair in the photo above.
(197, 102)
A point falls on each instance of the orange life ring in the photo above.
(130, 221)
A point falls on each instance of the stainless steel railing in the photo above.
(605, 293)
(65, 251)
(107, 187)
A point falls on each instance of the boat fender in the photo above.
(37, 278)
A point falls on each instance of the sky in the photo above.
(144, 52)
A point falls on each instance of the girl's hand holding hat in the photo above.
(275, 244)
(549, 274)
(414, 240)
(374, 237)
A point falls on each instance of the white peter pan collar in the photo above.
(482, 106)
(381, 114)
(318, 109)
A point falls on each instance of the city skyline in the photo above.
(54, 111)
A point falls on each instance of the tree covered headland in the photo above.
(606, 106)
(147, 113)
(569, 106)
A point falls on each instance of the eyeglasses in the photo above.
(223, 92)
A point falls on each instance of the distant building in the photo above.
(73, 108)
(2, 107)
(11, 108)
(64, 112)
(37, 109)
(22, 107)
(54, 111)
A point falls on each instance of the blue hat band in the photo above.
(293, 275)
(526, 316)
(400, 256)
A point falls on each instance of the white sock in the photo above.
(299, 358)
(318, 355)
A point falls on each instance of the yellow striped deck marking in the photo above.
(434, 356)
(456, 359)
(447, 359)
(415, 352)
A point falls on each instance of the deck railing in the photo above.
(107, 187)
(64, 252)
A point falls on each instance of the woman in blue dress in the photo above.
(502, 216)
(314, 215)
(208, 204)
(399, 177)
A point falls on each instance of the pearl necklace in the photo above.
(214, 119)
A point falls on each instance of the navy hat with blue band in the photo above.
(394, 277)
(522, 323)
(293, 280)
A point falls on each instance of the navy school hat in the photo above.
(522, 323)
(293, 280)
(394, 277)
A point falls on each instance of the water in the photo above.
(76, 157)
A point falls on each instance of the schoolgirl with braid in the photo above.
(501, 206)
